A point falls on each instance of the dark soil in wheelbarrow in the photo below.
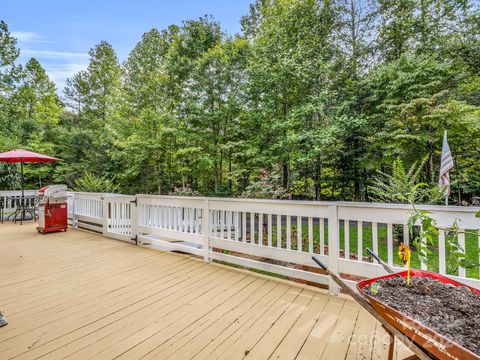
(451, 311)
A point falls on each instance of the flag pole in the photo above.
(446, 195)
(446, 164)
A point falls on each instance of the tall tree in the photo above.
(37, 95)
(289, 72)
(103, 77)
(214, 107)
(9, 76)
(75, 92)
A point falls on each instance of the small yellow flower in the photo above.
(404, 255)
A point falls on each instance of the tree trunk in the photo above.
(366, 186)
(230, 173)
(432, 170)
(356, 186)
(159, 178)
(285, 176)
(318, 181)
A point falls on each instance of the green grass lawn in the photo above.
(471, 244)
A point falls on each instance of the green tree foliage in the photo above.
(9, 74)
(319, 99)
(402, 186)
(92, 183)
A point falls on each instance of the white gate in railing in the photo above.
(274, 235)
(86, 210)
(119, 220)
(113, 215)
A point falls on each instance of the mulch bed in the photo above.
(451, 311)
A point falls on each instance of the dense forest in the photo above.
(314, 99)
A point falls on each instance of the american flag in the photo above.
(445, 166)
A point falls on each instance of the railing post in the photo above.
(134, 218)
(104, 214)
(333, 239)
(206, 230)
(74, 211)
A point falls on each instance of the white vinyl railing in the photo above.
(8, 198)
(275, 236)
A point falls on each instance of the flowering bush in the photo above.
(185, 190)
(267, 185)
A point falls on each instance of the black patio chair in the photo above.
(23, 205)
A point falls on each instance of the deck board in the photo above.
(78, 295)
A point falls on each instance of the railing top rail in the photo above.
(9, 192)
(227, 199)
(450, 208)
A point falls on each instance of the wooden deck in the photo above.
(82, 296)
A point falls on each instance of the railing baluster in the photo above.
(216, 219)
(299, 233)
(252, 228)
(310, 235)
(191, 221)
(229, 225)
(461, 241)
(156, 214)
(236, 229)
(198, 220)
(244, 226)
(406, 237)
(114, 216)
(390, 244)
(211, 221)
(180, 218)
(279, 231)
(270, 230)
(360, 240)
(375, 237)
(166, 217)
(441, 252)
(260, 229)
(321, 240)
(222, 222)
(159, 216)
(289, 232)
(423, 264)
(346, 236)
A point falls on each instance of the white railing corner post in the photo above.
(206, 230)
(104, 214)
(333, 246)
(134, 219)
(74, 211)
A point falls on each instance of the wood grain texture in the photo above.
(78, 295)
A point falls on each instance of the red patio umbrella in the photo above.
(22, 156)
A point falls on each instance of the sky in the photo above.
(59, 33)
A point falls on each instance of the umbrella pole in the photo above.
(23, 195)
(21, 178)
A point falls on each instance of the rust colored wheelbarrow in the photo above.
(424, 342)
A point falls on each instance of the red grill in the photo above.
(52, 210)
